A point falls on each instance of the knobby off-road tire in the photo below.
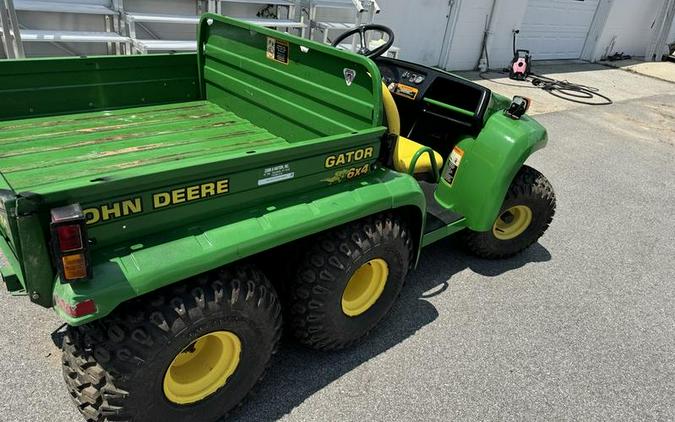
(317, 316)
(529, 189)
(115, 368)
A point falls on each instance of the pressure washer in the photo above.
(521, 65)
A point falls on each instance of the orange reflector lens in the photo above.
(74, 266)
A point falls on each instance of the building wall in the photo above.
(465, 47)
(627, 22)
(467, 34)
(419, 26)
(627, 29)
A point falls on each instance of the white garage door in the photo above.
(556, 29)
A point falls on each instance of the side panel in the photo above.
(7, 205)
(489, 164)
(121, 209)
(49, 86)
(131, 270)
(11, 270)
(152, 211)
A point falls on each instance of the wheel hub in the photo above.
(365, 287)
(202, 367)
(512, 222)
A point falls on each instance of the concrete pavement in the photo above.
(659, 70)
(618, 84)
(579, 327)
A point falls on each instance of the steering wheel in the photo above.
(364, 50)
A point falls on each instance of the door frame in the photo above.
(590, 50)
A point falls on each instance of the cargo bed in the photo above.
(160, 149)
(36, 153)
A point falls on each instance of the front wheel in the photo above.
(189, 353)
(525, 215)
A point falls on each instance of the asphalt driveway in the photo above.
(580, 327)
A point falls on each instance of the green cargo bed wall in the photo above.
(295, 88)
(43, 87)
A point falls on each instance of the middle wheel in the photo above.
(348, 281)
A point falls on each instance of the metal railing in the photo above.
(120, 27)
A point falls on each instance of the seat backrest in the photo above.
(405, 149)
(391, 111)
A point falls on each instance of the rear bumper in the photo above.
(10, 270)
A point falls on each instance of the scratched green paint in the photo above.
(100, 143)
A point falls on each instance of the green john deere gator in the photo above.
(172, 208)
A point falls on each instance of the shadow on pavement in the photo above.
(536, 253)
(297, 372)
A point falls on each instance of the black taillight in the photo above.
(69, 243)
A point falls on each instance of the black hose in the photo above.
(565, 90)
(569, 91)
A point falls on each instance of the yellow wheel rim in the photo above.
(365, 287)
(512, 222)
(202, 368)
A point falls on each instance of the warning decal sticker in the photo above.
(276, 174)
(453, 164)
(277, 50)
(403, 90)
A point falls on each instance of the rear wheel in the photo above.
(191, 353)
(525, 215)
(348, 281)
